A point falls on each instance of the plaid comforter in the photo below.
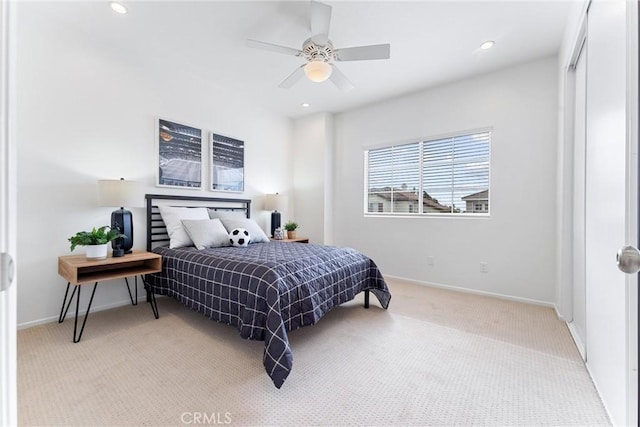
(267, 289)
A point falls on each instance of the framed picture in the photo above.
(179, 154)
(227, 163)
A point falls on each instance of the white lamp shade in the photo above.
(119, 193)
(318, 71)
(275, 202)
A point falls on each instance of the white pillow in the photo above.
(173, 216)
(226, 214)
(257, 235)
(206, 233)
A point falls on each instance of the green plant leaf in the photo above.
(97, 236)
(291, 226)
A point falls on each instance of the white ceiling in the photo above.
(432, 42)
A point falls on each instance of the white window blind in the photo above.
(440, 176)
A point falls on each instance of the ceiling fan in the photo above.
(320, 53)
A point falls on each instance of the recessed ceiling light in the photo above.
(487, 45)
(117, 7)
(305, 104)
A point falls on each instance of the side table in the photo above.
(296, 240)
(78, 271)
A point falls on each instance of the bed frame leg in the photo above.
(366, 298)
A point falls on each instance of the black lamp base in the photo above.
(275, 221)
(122, 220)
(117, 252)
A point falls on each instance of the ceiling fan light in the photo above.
(317, 71)
(487, 45)
(118, 7)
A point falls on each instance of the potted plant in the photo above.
(291, 226)
(97, 240)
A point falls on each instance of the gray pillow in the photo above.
(256, 233)
(206, 233)
(173, 216)
(226, 214)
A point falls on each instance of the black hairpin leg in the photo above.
(129, 289)
(86, 316)
(151, 298)
(366, 298)
(154, 305)
(63, 312)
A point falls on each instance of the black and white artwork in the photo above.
(179, 155)
(227, 163)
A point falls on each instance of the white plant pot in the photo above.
(95, 252)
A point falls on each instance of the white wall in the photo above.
(86, 112)
(518, 241)
(312, 173)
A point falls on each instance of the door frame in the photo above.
(578, 325)
(632, 210)
(566, 186)
(8, 311)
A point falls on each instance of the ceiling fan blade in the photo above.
(363, 53)
(273, 47)
(320, 22)
(340, 80)
(293, 78)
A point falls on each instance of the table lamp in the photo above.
(275, 202)
(120, 193)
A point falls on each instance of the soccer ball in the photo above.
(239, 237)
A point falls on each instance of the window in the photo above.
(376, 207)
(439, 176)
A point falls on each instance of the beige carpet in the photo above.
(435, 357)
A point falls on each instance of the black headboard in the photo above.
(156, 230)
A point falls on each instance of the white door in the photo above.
(611, 203)
(8, 406)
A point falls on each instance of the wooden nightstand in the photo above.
(80, 271)
(296, 240)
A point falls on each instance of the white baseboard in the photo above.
(474, 291)
(577, 340)
(560, 316)
(597, 387)
(71, 314)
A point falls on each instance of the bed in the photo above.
(265, 289)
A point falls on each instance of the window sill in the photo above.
(441, 215)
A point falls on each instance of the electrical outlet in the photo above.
(484, 267)
(430, 260)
